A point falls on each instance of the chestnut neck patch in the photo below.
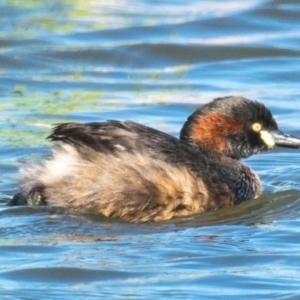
(212, 129)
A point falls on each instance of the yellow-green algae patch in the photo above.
(27, 118)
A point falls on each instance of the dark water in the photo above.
(151, 62)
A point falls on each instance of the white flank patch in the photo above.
(63, 163)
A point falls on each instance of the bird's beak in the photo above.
(285, 140)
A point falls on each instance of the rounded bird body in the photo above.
(130, 171)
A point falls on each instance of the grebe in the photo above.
(139, 174)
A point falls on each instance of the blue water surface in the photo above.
(152, 62)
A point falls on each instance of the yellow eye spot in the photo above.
(256, 127)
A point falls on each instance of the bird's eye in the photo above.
(256, 127)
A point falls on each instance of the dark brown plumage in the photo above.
(130, 171)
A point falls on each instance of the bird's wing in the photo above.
(110, 136)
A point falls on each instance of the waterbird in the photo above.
(126, 170)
